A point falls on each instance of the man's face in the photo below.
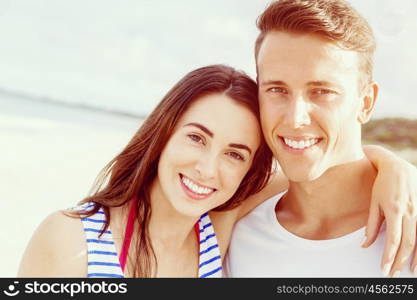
(309, 102)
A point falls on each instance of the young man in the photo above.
(314, 63)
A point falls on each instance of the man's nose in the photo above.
(298, 114)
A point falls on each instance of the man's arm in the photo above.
(223, 221)
(394, 197)
(276, 184)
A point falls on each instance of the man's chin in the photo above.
(301, 174)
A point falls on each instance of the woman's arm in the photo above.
(394, 197)
(56, 249)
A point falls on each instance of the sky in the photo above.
(125, 55)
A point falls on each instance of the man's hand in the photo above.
(394, 197)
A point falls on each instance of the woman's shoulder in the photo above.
(57, 248)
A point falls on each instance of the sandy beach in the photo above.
(49, 156)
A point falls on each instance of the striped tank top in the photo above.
(103, 260)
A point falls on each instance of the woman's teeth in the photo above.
(301, 144)
(195, 187)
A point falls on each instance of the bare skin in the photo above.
(318, 216)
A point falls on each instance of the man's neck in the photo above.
(335, 204)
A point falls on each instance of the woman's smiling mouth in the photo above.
(194, 189)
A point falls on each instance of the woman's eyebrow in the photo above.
(209, 133)
(241, 146)
(202, 127)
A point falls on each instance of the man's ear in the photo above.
(368, 101)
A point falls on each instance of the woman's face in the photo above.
(210, 151)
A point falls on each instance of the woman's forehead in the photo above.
(223, 116)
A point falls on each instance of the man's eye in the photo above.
(280, 90)
(323, 92)
(196, 138)
(236, 155)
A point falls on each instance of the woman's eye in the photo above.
(195, 138)
(236, 155)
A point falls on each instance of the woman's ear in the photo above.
(368, 102)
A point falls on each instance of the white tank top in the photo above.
(261, 247)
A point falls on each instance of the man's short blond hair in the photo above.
(335, 20)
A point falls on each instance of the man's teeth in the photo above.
(195, 188)
(301, 144)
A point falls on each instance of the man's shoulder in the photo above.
(263, 210)
(276, 186)
(269, 202)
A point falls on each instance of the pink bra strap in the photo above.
(129, 232)
(197, 231)
(128, 235)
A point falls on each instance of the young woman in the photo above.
(201, 150)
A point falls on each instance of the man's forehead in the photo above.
(285, 54)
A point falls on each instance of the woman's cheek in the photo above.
(234, 177)
(183, 149)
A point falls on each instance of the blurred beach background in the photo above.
(78, 77)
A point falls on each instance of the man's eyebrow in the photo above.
(319, 83)
(310, 83)
(273, 82)
(241, 146)
(201, 127)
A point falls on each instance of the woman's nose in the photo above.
(207, 166)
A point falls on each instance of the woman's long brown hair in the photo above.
(130, 174)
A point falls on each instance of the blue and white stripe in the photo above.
(210, 265)
(103, 260)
